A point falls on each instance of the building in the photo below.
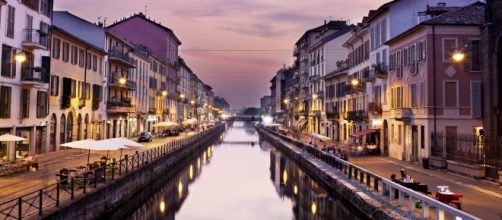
(76, 105)
(185, 75)
(491, 42)
(266, 104)
(431, 95)
(335, 101)
(24, 83)
(324, 53)
(164, 45)
(140, 74)
(302, 66)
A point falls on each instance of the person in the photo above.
(345, 157)
(393, 177)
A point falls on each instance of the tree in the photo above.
(221, 103)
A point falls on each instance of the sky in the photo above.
(236, 46)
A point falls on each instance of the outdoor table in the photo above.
(450, 198)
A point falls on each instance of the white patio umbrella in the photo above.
(189, 121)
(166, 124)
(86, 144)
(11, 138)
(116, 144)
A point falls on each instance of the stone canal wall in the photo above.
(111, 195)
(350, 193)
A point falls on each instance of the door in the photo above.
(385, 138)
(451, 141)
(414, 143)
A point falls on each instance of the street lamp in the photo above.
(20, 57)
(192, 102)
(314, 96)
(182, 96)
(286, 101)
(458, 56)
(354, 82)
(164, 93)
(122, 80)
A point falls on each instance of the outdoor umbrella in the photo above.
(166, 124)
(86, 144)
(321, 137)
(190, 121)
(10, 138)
(117, 144)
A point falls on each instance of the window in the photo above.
(56, 48)
(10, 21)
(66, 52)
(373, 39)
(413, 93)
(421, 51)
(422, 137)
(74, 55)
(399, 64)
(88, 61)
(94, 63)
(450, 92)
(45, 7)
(54, 85)
(476, 99)
(25, 103)
(449, 46)
(8, 61)
(413, 63)
(406, 57)
(392, 134)
(473, 61)
(5, 93)
(81, 58)
(73, 88)
(399, 136)
(383, 25)
(422, 94)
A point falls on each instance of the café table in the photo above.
(449, 197)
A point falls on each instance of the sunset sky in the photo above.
(236, 46)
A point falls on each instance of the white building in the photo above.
(24, 85)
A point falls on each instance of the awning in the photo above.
(363, 132)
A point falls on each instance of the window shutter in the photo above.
(476, 104)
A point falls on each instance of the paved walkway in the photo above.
(51, 163)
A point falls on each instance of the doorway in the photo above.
(385, 138)
(414, 143)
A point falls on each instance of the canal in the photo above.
(239, 177)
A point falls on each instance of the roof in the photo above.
(142, 16)
(80, 27)
(333, 36)
(469, 15)
(80, 40)
(328, 25)
(375, 13)
(336, 73)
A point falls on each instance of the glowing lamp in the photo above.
(458, 56)
(122, 80)
(20, 57)
(354, 82)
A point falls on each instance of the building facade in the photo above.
(24, 89)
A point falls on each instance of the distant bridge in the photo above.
(239, 143)
(243, 118)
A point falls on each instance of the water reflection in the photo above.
(235, 184)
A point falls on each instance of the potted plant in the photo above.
(39, 69)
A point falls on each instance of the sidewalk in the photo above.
(51, 163)
(481, 198)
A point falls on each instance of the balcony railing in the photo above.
(34, 75)
(314, 78)
(404, 114)
(122, 57)
(368, 76)
(115, 82)
(333, 115)
(359, 115)
(121, 106)
(35, 39)
(375, 108)
(381, 70)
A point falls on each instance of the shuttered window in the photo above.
(476, 104)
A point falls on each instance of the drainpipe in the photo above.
(434, 87)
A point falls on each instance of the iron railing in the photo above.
(53, 196)
(467, 148)
(389, 190)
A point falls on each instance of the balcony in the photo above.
(314, 78)
(333, 115)
(375, 108)
(368, 76)
(296, 51)
(34, 75)
(35, 39)
(114, 81)
(381, 70)
(123, 105)
(121, 57)
(402, 114)
(305, 86)
(33, 4)
(359, 115)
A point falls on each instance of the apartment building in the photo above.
(185, 75)
(435, 102)
(140, 74)
(335, 101)
(24, 78)
(76, 105)
(121, 87)
(326, 50)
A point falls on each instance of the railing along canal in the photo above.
(37, 203)
(391, 191)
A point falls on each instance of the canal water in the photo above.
(237, 178)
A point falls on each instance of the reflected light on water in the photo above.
(204, 158)
(191, 172)
(313, 208)
(180, 189)
(198, 164)
(285, 176)
(162, 206)
(295, 189)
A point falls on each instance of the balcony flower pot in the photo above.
(425, 162)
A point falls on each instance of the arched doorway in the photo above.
(52, 133)
(69, 127)
(62, 130)
(385, 138)
(79, 126)
(86, 125)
